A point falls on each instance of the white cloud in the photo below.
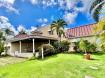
(34, 2)
(10, 1)
(8, 4)
(42, 20)
(46, 3)
(70, 17)
(45, 20)
(21, 27)
(4, 23)
(66, 28)
(33, 28)
(71, 4)
(86, 5)
(43, 25)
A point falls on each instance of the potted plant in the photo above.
(84, 46)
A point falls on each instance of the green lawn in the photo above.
(58, 66)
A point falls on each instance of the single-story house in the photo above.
(25, 45)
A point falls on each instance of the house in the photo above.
(25, 45)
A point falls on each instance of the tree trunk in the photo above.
(85, 52)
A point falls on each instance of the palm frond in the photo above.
(94, 4)
(97, 10)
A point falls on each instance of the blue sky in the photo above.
(27, 14)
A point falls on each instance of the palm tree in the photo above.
(96, 8)
(58, 26)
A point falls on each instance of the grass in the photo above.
(57, 66)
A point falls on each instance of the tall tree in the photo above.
(96, 8)
(100, 32)
(58, 26)
(2, 37)
(8, 31)
(22, 32)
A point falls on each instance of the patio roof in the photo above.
(25, 36)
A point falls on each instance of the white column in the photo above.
(20, 46)
(33, 45)
(42, 54)
(49, 41)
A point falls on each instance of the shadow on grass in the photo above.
(94, 59)
(3, 75)
(70, 53)
(99, 53)
(47, 57)
(74, 53)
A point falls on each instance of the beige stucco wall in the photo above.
(45, 32)
(15, 47)
(91, 39)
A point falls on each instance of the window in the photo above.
(50, 32)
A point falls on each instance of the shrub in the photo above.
(91, 47)
(47, 48)
(83, 45)
(76, 47)
(102, 46)
(86, 46)
(65, 46)
(57, 47)
(1, 47)
(61, 46)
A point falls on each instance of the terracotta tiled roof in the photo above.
(19, 36)
(81, 31)
(25, 36)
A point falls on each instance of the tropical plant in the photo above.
(76, 46)
(82, 45)
(96, 8)
(99, 30)
(2, 37)
(64, 45)
(92, 47)
(58, 26)
(86, 46)
(47, 49)
(61, 46)
(1, 47)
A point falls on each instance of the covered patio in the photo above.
(25, 47)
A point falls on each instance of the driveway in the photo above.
(10, 60)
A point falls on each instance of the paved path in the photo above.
(10, 60)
